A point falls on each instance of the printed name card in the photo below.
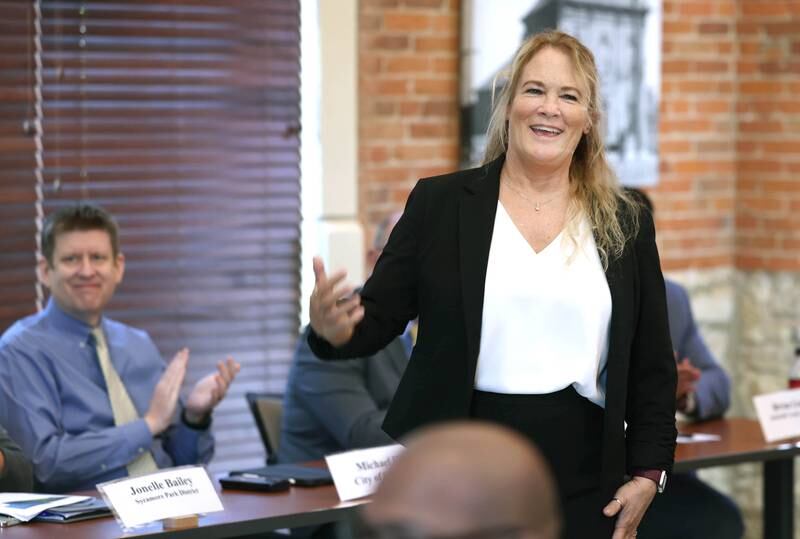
(357, 473)
(169, 493)
(779, 414)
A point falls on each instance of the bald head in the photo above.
(467, 477)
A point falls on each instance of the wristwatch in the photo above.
(659, 477)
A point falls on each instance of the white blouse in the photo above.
(545, 315)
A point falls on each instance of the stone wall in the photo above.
(748, 320)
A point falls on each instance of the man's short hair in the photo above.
(80, 216)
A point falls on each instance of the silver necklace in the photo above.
(536, 205)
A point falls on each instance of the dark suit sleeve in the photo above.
(389, 296)
(650, 410)
(17, 474)
(712, 391)
(337, 395)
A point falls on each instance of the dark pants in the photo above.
(568, 430)
(691, 509)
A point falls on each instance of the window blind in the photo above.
(181, 117)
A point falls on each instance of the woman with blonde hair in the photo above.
(540, 298)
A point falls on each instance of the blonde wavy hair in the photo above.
(594, 186)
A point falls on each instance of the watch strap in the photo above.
(659, 477)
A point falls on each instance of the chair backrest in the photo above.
(267, 409)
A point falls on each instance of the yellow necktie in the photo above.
(121, 403)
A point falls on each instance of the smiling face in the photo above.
(84, 273)
(548, 113)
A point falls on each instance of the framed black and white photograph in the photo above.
(625, 37)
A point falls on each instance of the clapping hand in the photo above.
(688, 375)
(211, 389)
(335, 309)
(165, 396)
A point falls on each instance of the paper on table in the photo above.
(26, 506)
(697, 437)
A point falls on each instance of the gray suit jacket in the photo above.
(331, 406)
(17, 474)
(712, 392)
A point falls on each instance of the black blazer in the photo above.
(434, 266)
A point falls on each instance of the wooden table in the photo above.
(741, 441)
(253, 512)
(245, 513)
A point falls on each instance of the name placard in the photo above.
(779, 414)
(357, 473)
(169, 493)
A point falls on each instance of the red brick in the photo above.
(761, 87)
(761, 126)
(705, 147)
(396, 21)
(437, 44)
(788, 146)
(676, 27)
(445, 65)
(423, 3)
(726, 9)
(713, 28)
(712, 67)
(432, 130)
(683, 126)
(782, 262)
(407, 64)
(445, 24)
(782, 28)
(389, 42)
(378, 5)
(714, 106)
(758, 165)
(440, 108)
(410, 108)
(759, 9)
(749, 47)
(435, 86)
(370, 22)
(675, 146)
(392, 87)
(694, 9)
(381, 130)
(784, 186)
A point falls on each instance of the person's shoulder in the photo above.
(676, 293)
(124, 331)
(24, 333)
(675, 287)
(453, 180)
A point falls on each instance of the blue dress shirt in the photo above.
(54, 402)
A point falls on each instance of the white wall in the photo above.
(329, 141)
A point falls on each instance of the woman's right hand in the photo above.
(335, 310)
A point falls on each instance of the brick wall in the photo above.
(729, 192)
(408, 99)
(697, 138)
(730, 135)
(768, 145)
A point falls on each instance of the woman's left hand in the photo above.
(629, 505)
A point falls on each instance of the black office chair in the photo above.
(267, 409)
